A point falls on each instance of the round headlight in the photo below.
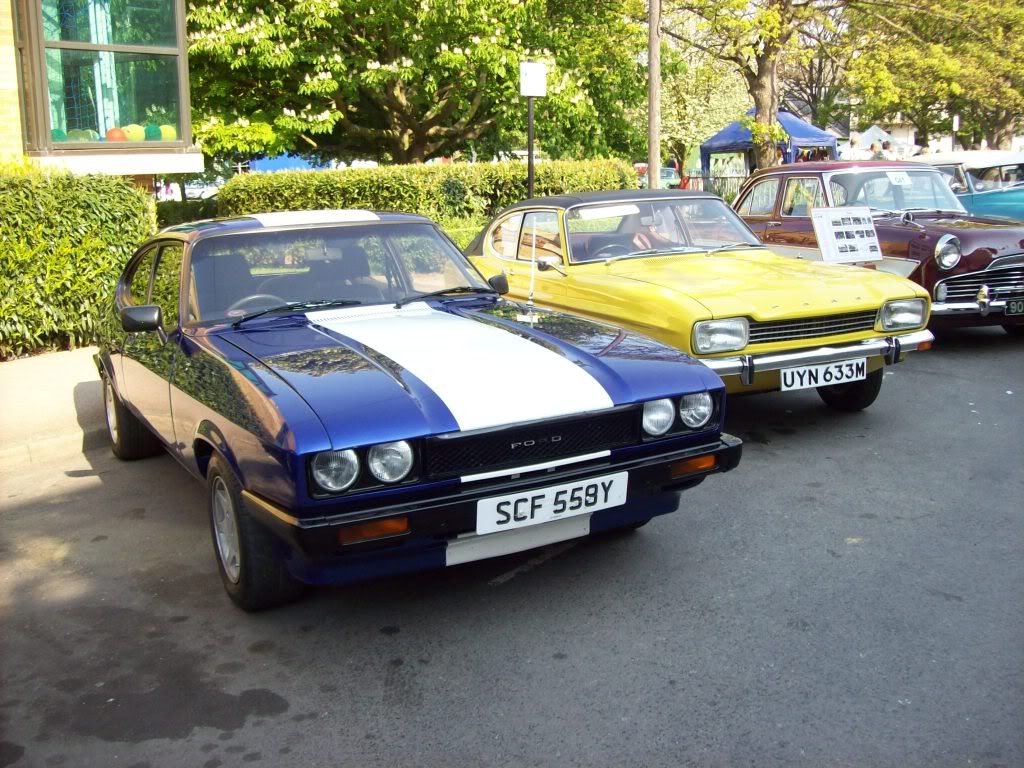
(390, 462)
(658, 416)
(696, 410)
(335, 470)
(947, 252)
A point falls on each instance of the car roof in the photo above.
(838, 165)
(255, 222)
(976, 158)
(607, 196)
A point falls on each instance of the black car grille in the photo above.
(811, 327)
(1005, 283)
(520, 445)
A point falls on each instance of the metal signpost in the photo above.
(533, 83)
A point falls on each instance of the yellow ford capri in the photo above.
(682, 267)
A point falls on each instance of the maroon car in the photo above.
(972, 266)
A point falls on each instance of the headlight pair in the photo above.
(695, 410)
(729, 335)
(336, 471)
(902, 314)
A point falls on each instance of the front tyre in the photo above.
(1014, 329)
(854, 395)
(129, 437)
(253, 576)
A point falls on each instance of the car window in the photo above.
(540, 236)
(505, 237)
(955, 177)
(761, 200)
(233, 275)
(802, 195)
(894, 189)
(138, 281)
(166, 280)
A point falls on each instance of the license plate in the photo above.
(807, 376)
(542, 505)
(1015, 306)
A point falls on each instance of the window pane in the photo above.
(115, 97)
(540, 236)
(505, 238)
(138, 288)
(801, 196)
(165, 284)
(761, 199)
(106, 22)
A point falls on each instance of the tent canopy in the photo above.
(737, 138)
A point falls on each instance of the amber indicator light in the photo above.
(924, 345)
(689, 466)
(374, 529)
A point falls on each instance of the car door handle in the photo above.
(774, 224)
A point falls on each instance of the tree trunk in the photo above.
(763, 90)
(999, 132)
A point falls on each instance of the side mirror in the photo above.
(141, 319)
(544, 263)
(499, 283)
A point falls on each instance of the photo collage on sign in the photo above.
(846, 235)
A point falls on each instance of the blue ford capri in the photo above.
(359, 401)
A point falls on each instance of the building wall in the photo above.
(10, 108)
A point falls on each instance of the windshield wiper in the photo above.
(317, 304)
(731, 246)
(444, 291)
(653, 252)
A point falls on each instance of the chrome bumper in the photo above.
(746, 366)
(983, 308)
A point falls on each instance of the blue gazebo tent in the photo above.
(736, 138)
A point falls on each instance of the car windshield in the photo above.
(652, 227)
(233, 276)
(894, 189)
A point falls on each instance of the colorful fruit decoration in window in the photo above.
(152, 132)
(135, 132)
(58, 134)
(168, 133)
(116, 134)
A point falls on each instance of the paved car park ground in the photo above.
(853, 595)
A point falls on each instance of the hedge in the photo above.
(63, 241)
(171, 212)
(444, 192)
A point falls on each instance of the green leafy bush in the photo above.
(443, 192)
(63, 242)
(171, 212)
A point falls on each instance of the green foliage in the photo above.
(171, 212)
(442, 192)
(413, 79)
(63, 242)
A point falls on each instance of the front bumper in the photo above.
(314, 554)
(982, 308)
(892, 348)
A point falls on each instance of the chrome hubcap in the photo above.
(226, 529)
(108, 407)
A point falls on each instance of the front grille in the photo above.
(1005, 283)
(811, 327)
(462, 454)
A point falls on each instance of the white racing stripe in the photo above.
(484, 375)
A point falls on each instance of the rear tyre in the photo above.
(1014, 329)
(854, 396)
(253, 576)
(129, 437)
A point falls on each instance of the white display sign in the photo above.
(846, 235)
(533, 78)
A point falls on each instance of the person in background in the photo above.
(876, 151)
(887, 151)
(854, 151)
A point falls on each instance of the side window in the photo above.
(801, 195)
(505, 236)
(840, 194)
(541, 236)
(165, 284)
(761, 200)
(138, 283)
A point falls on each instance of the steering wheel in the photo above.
(256, 297)
(610, 250)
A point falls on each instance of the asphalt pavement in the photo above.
(852, 595)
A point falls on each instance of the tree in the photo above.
(700, 96)
(815, 75)
(408, 80)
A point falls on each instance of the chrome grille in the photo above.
(1005, 283)
(811, 327)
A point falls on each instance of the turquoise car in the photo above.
(987, 182)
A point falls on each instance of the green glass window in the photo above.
(110, 22)
(165, 284)
(138, 289)
(111, 96)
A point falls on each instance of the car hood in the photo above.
(995, 235)
(375, 374)
(759, 284)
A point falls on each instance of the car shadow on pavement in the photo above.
(88, 399)
(954, 340)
